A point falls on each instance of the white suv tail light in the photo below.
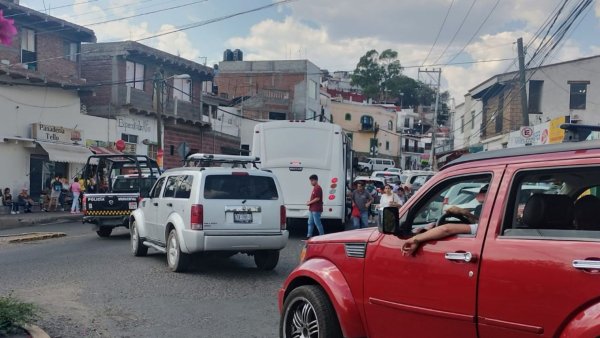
(197, 217)
(282, 217)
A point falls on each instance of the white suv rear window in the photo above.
(247, 187)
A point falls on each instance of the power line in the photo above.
(129, 17)
(476, 31)
(59, 7)
(457, 31)
(206, 22)
(181, 28)
(438, 33)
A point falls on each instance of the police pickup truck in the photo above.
(118, 183)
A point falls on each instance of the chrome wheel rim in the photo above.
(134, 237)
(173, 252)
(301, 320)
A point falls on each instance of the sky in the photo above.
(335, 34)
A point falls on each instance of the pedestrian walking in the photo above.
(362, 200)
(76, 190)
(388, 199)
(315, 207)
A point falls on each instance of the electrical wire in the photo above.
(457, 31)
(181, 28)
(476, 31)
(59, 7)
(438, 33)
(161, 10)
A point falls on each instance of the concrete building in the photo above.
(187, 111)
(361, 121)
(270, 90)
(43, 131)
(564, 90)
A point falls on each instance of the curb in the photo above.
(36, 237)
(16, 222)
(35, 331)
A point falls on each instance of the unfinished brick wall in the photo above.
(201, 140)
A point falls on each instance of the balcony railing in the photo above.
(143, 101)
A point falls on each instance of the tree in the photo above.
(380, 77)
(368, 74)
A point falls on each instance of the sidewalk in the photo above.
(8, 221)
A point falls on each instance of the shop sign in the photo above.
(135, 125)
(97, 143)
(529, 136)
(55, 134)
(556, 135)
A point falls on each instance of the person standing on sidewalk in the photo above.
(315, 207)
(362, 200)
(76, 190)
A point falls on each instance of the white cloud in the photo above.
(176, 43)
(345, 32)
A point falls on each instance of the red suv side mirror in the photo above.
(390, 224)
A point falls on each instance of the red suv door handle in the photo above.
(592, 265)
(459, 256)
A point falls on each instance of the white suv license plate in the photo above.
(242, 217)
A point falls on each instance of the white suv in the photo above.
(212, 209)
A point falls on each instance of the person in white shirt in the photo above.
(388, 199)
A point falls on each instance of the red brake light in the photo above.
(331, 197)
(239, 173)
(197, 217)
(333, 186)
(282, 217)
(334, 180)
(84, 203)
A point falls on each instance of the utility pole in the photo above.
(436, 83)
(158, 93)
(522, 83)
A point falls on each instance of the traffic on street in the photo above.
(93, 287)
(300, 169)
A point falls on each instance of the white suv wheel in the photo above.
(176, 260)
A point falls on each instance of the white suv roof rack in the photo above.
(204, 160)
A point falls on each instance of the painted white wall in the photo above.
(227, 122)
(556, 89)
(24, 105)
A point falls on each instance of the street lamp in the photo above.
(159, 85)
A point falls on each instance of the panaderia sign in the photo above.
(55, 134)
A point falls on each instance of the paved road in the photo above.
(91, 287)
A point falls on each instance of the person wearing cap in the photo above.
(449, 229)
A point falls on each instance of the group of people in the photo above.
(56, 194)
(22, 200)
(361, 200)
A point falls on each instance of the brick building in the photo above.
(43, 131)
(125, 73)
(270, 90)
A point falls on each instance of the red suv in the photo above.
(529, 268)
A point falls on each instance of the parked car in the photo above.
(212, 209)
(537, 276)
(387, 175)
(375, 164)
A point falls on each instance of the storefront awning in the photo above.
(65, 152)
(104, 151)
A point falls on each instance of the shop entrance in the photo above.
(41, 173)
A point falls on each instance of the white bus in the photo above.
(294, 150)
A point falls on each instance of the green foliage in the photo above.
(14, 313)
(380, 76)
